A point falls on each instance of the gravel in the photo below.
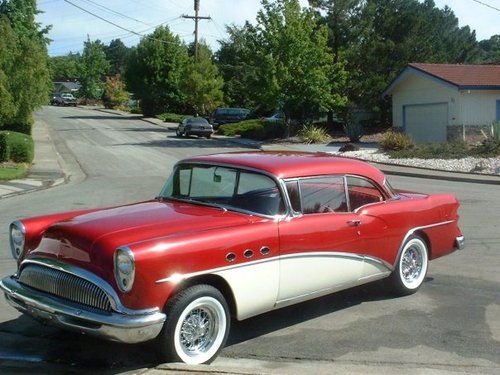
(470, 164)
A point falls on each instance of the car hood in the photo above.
(93, 237)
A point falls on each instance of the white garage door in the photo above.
(427, 122)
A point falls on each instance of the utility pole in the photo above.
(196, 18)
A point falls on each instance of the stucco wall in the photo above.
(478, 107)
(418, 89)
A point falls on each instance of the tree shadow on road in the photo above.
(189, 142)
(101, 117)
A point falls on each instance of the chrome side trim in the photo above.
(413, 230)
(80, 272)
(176, 277)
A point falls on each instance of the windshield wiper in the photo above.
(195, 201)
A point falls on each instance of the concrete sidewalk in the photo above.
(46, 171)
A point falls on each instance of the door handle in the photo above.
(354, 223)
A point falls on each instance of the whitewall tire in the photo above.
(197, 326)
(411, 267)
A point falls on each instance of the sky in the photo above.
(70, 25)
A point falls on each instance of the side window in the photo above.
(250, 182)
(362, 192)
(322, 195)
(292, 187)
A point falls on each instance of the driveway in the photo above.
(451, 324)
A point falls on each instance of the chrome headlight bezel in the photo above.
(17, 238)
(124, 268)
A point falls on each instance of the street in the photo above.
(451, 324)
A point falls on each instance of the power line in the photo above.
(487, 5)
(116, 25)
(115, 12)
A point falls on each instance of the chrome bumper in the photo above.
(460, 242)
(126, 328)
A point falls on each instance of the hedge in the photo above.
(17, 147)
(253, 129)
(172, 117)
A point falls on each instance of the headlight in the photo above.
(124, 268)
(17, 238)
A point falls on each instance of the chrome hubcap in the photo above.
(198, 330)
(412, 264)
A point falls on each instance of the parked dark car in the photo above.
(63, 99)
(223, 116)
(194, 126)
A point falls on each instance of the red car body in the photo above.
(258, 262)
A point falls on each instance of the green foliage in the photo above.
(116, 54)
(202, 84)
(4, 147)
(490, 147)
(354, 131)
(65, 67)
(310, 133)
(172, 117)
(490, 50)
(454, 150)
(17, 147)
(93, 68)
(24, 72)
(396, 141)
(114, 94)
(496, 130)
(155, 70)
(253, 129)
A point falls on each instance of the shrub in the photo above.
(172, 117)
(253, 129)
(395, 141)
(114, 94)
(490, 147)
(4, 149)
(20, 147)
(354, 131)
(310, 133)
(455, 150)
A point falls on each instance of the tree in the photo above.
(64, 68)
(114, 92)
(24, 72)
(155, 70)
(303, 74)
(93, 68)
(490, 50)
(116, 53)
(392, 33)
(203, 83)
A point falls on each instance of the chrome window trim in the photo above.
(277, 180)
(93, 278)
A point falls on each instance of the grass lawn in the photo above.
(13, 172)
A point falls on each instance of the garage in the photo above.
(426, 122)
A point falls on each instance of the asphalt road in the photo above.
(451, 324)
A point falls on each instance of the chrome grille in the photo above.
(64, 285)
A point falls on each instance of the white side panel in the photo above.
(372, 269)
(304, 275)
(255, 287)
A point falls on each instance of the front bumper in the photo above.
(202, 132)
(126, 328)
(460, 243)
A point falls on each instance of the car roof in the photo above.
(290, 164)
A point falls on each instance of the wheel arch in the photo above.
(420, 233)
(217, 282)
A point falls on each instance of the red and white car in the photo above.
(230, 235)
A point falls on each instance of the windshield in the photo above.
(229, 188)
(67, 96)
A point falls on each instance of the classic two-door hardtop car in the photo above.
(230, 235)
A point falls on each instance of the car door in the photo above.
(323, 246)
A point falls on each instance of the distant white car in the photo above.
(279, 116)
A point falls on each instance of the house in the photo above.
(444, 102)
(66, 87)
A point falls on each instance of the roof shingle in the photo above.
(463, 75)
